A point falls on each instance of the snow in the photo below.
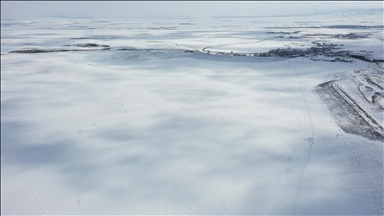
(164, 131)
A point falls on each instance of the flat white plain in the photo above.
(169, 132)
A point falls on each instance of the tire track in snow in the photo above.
(311, 142)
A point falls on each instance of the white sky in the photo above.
(100, 9)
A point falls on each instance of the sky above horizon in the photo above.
(103, 9)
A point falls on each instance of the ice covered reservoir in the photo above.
(263, 116)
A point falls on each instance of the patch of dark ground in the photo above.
(330, 27)
(43, 50)
(343, 113)
(355, 26)
(48, 50)
(87, 45)
(129, 49)
(94, 38)
(351, 36)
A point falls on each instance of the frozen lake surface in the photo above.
(187, 117)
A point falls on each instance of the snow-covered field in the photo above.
(156, 125)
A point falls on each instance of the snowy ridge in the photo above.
(368, 118)
(351, 13)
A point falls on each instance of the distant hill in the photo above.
(352, 13)
(374, 12)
